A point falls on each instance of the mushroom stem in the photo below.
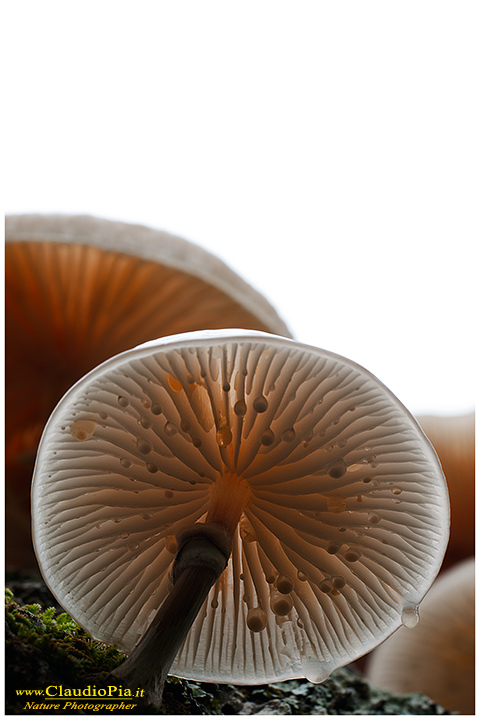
(203, 552)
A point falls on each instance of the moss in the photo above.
(46, 647)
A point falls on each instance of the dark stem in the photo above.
(198, 565)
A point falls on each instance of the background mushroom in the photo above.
(330, 495)
(437, 657)
(79, 290)
(453, 438)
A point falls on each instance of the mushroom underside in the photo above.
(343, 511)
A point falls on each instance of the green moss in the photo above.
(47, 647)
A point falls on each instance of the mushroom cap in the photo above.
(343, 533)
(81, 289)
(453, 437)
(437, 656)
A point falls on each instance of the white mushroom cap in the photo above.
(345, 515)
(437, 657)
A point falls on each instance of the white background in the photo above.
(327, 151)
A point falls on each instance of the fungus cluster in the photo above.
(234, 506)
(80, 290)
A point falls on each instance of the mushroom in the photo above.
(453, 438)
(80, 290)
(437, 657)
(236, 507)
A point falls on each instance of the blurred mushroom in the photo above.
(294, 467)
(437, 657)
(453, 438)
(80, 290)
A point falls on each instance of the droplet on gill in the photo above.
(240, 408)
(144, 446)
(260, 404)
(256, 619)
(170, 429)
(284, 584)
(333, 548)
(352, 555)
(224, 436)
(82, 429)
(326, 586)
(410, 616)
(337, 470)
(280, 604)
(267, 438)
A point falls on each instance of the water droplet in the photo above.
(102, 415)
(133, 546)
(332, 548)
(144, 446)
(214, 603)
(302, 576)
(146, 516)
(337, 470)
(124, 535)
(226, 387)
(367, 480)
(397, 491)
(170, 429)
(122, 401)
(185, 426)
(156, 409)
(373, 518)
(151, 467)
(410, 616)
(145, 423)
(197, 443)
(267, 438)
(284, 584)
(224, 436)
(270, 579)
(280, 604)
(288, 435)
(260, 404)
(240, 408)
(352, 555)
(326, 586)
(338, 581)
(256, 619)
(125, 462)
(83, 429)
